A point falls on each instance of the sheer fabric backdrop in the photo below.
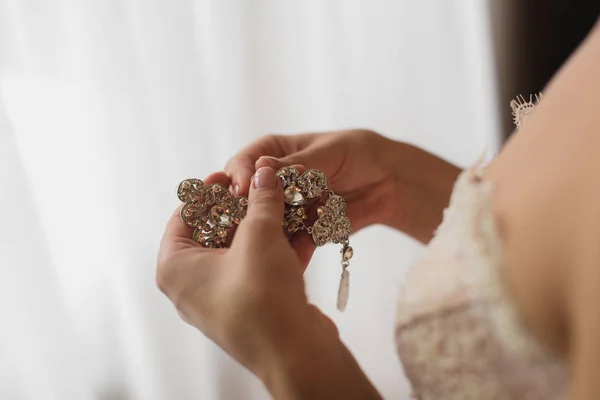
(107, 105)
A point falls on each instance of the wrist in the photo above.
(311, 362)
(421, 185)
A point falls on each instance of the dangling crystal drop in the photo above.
(344, 290)
(347, 254)
(221, 217)
(293, 196)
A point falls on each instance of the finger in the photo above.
(304, 246)
(302, 158)
(218, 177)
(268, 161)
(241, 167)
(221, 178)
(313, 157)
(276, 164)
(176, 229)
(265, 202)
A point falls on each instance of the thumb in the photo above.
(265, 202)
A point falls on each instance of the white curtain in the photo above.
(107, 105)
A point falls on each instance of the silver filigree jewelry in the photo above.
(332, 224)
(211, 209)
(298, 190)
(213, 212)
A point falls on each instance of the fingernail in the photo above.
(270, 158)
(236, 190)
(268, 161)
(265, 178)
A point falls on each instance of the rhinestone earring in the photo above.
(297, 190)
(332, 224)
(211, 210)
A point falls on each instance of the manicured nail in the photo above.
(265, 178)
(270, 158)
(236, 190)
(268, 161)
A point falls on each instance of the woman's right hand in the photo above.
(383, 181)
(350, 159)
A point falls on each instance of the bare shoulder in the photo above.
(547, 204)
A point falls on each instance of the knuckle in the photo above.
(230, 165)
(169, 272)
(267, 198)
(363, 135)
(260, 221)
(261, 225)
(163, 277)
(274, 142)
(271, 137)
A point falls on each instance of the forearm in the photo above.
(314, 364)
(422, 184)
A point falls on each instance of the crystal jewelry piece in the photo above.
(211, 209)
(213, 212)
(332, 224)
(297, 190)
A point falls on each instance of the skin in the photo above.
(250, 297)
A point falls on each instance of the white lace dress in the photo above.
(458, 333)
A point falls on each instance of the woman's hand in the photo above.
(350, 160)
(250, 300)
(383, 181)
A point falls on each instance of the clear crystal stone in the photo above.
(293, 196)
(348, 253)
(221, 217)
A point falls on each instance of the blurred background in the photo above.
(106, 105)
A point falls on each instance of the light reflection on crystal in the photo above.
(221, 217)
(348, 252)
(293, 196)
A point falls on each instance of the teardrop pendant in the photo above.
(343, 290)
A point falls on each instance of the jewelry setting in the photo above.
(213, 212)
